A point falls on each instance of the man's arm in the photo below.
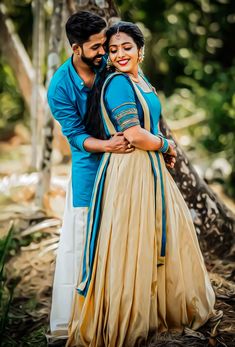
(73, 128)
(116, 144)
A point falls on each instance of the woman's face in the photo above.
(124, 53)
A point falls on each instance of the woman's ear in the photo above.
(76, 49)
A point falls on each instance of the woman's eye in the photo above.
(112, 52)
(127, 48)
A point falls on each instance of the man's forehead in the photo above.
(97, 38)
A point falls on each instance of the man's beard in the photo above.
(91, 61)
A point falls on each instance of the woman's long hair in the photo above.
(93, 119)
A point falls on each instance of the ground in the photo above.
(29, 262)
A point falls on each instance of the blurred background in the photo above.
(189, 58)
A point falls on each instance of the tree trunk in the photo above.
(214, 222)
(18, 59)
(38, 58)
(53, 62)
(104, 8)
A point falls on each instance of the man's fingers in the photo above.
(129, 150)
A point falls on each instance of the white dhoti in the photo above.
(68, 263)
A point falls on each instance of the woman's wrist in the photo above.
(164, 144)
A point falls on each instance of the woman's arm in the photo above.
(121, 104)
(143, 139)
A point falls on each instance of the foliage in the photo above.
(12, 105)
(190, 50)
(6, 288)
(20, 12)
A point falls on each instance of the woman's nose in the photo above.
(120, 53)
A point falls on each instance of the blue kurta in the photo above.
(67, 97)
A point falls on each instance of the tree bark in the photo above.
(214, 222)
(53, 62)
(38, 58)
(104, 8)
(18, 59)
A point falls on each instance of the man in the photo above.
(67, 96)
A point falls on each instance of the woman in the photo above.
(143, 270)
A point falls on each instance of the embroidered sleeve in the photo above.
(121, 103)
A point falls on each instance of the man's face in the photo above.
(92, 51)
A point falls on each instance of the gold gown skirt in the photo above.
(130, 294)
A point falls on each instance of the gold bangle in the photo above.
(162, 142)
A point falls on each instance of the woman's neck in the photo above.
(134, 75)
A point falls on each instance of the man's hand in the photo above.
(118, 144)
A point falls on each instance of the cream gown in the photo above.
(143, 269)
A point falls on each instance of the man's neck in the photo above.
(84, 71)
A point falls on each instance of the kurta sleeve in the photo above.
(67, 115)
(121, 103)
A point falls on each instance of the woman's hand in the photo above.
(169, 160)
(170, 155)
(171, 150)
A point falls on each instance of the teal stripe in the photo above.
(96, 207)
(155, 178)
(163, 245)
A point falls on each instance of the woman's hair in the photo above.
(81, 25)
(128, 28)
(93, 119)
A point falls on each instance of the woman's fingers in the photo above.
(170, 161)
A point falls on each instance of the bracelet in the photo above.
(164, 146)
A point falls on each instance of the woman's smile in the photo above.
(123, 62)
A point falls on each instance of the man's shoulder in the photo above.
(60, 78)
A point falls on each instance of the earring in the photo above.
(109, 63)
(141, 55)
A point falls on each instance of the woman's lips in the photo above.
(123, 62)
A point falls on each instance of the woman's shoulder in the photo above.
(118, 84)
(118, 90)
(118, 79)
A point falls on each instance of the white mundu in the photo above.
(68, 262)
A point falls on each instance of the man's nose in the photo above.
(101, 50)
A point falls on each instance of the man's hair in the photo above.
(81, 25)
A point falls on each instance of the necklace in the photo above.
(134, 79)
